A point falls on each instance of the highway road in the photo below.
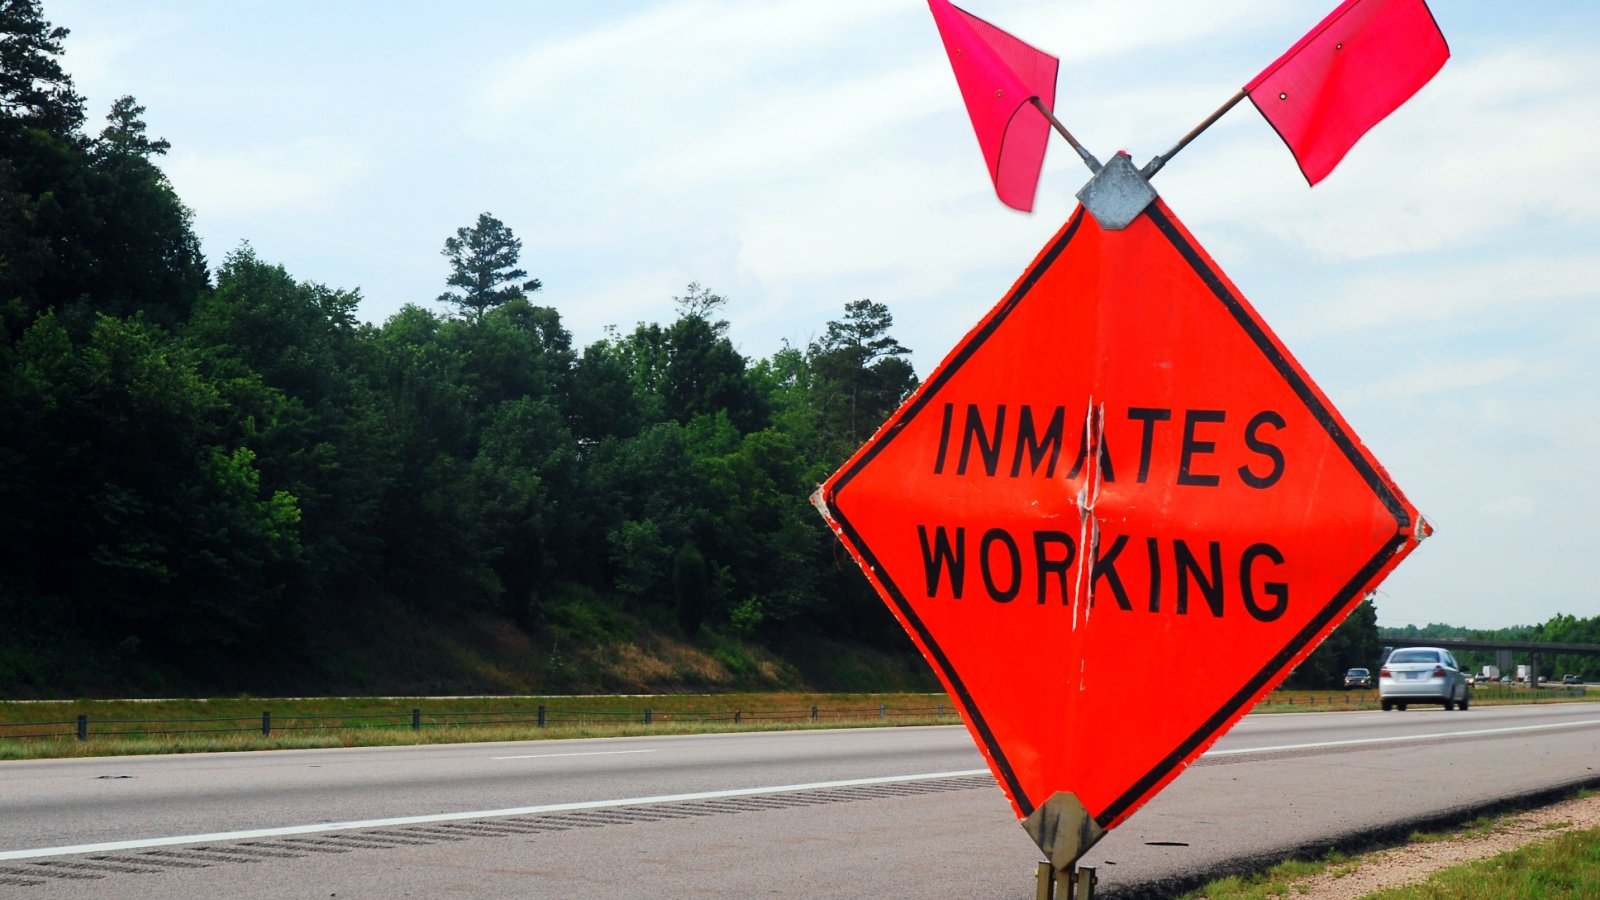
(898, 812)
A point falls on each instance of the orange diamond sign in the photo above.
(1115, 516)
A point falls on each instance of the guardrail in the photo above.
(1530, 692)
(1353, 698)
(416, 719)
(83, 728)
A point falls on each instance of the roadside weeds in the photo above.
(1362, 876)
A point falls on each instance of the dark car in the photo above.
(1358, 678)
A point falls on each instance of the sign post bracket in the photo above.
(1064, 830)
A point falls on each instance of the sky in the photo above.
(1441, 285)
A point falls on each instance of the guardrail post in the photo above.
(813, 713)
(83, 728)
(647, 712)
(266, 724)
(883, 711)
(416, 719)
(541, 715)
(938, 712)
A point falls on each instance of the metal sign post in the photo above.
(1073, 884)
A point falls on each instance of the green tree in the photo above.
(35, 91)
(691, 583)
(761, 525)
(604, 401)
(516, 350)
(135, 511)
(860, 374)
(648, 500)
(434, 554)
(483, 268)
(147, 258)
(705, 374)
(299, 336)
(528, 502)
(94, 226)
(691, 368)
(289, 358)
(1355, 643)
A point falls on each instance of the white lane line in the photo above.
(1404, 737)
(112, 846)
(587, 753)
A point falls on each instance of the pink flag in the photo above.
(998, 75)
(1364, 60)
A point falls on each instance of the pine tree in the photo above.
(483, 268)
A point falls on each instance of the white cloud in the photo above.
(1492, 143)
(1422, 380)
(626, 299)
(791, 131)
(1119, 33)
(1468, 292)
(307, 175)
(706, 49)
(98, 57)
(1516, 506)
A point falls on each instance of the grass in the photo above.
(1318, 701)
(1482, 825)
(48, 729)
(1276, 882)
(1566, 866)
(1559, 867)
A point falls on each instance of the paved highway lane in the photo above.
(1275, 782)
(58, 802)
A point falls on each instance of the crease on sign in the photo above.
(1088, 522)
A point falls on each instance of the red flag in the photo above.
(1364, 60)
(998, 74)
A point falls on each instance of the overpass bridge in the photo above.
(1505, 651)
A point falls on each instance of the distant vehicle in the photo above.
(1524, 672)
(1422, 675)
(1358, 678)
(1489, 673)
(1543, 678)
(1571, 679)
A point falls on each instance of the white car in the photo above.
(1422, 675)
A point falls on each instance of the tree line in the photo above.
(1562, 628)
(199, 465)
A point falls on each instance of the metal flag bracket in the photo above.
(1117, 194)
(1064, 830)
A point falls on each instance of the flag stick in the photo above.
(1088, 158)
(1155, 164)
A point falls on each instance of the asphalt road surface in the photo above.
(898, 812)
